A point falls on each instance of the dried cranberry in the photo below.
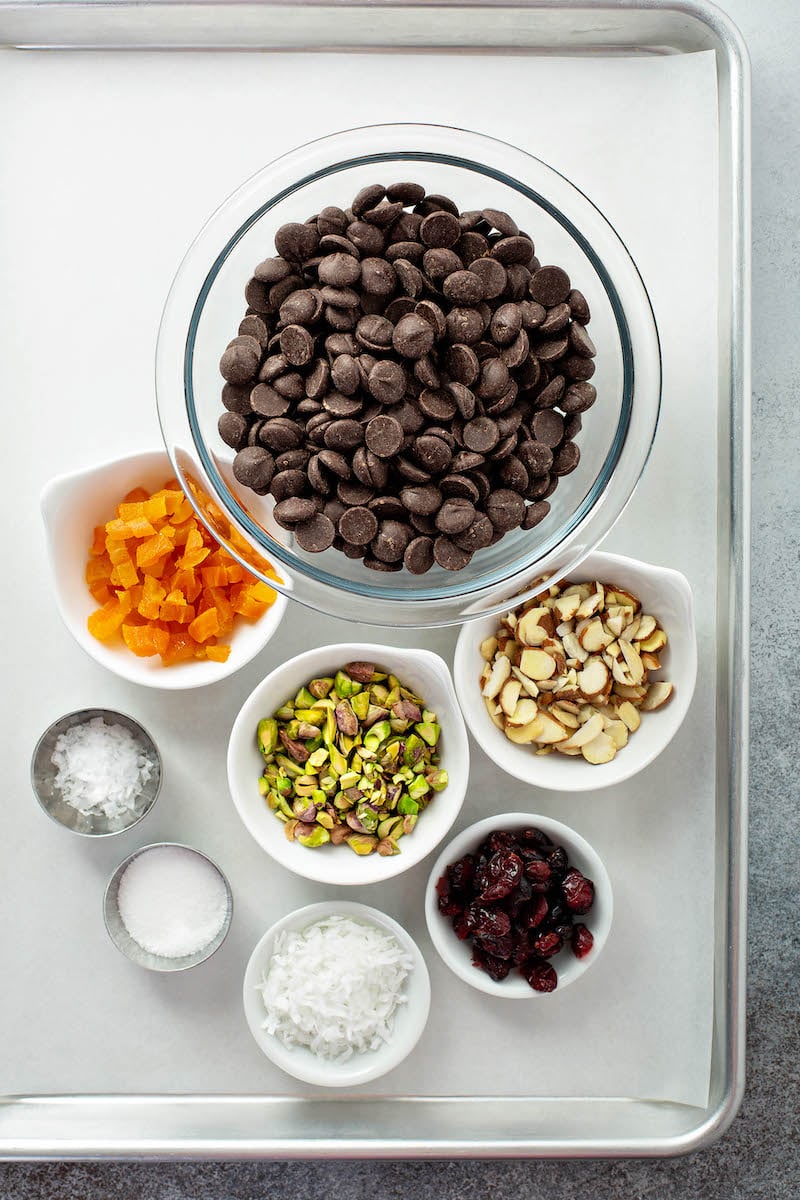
(534, 837)
(503, 872)
(495, 968)
(461, 927)
(539, 874)
(541, 976)
(500, 947)
(537, 911)
(558, 913)
(547, 944)
(522, 946)
(564, 931)
(558, 861)
(443, 885)
(582, 941)
(578, 891)
(461, 873)
(518, 898)
(488, 922)
(501, 839)
(449, 907)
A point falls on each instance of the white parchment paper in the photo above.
(110, 164)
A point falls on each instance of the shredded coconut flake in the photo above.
(334, 987)
(102, 769)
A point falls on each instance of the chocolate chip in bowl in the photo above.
(430, 358)
(519, 905)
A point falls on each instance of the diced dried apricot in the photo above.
(218, 653)
(144, 570)
(205, 625)
(135, 495)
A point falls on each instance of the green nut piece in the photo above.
(429, 731)
(317, 837)
(377, 734)
(267, 735)
(418, 787)
(357, 742)
(362, 843)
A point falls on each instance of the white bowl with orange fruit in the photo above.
(142, 585)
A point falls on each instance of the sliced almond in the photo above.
(650, 662)
(592, 680)
(524, 712)
(646, 626)
(550, 730)
(491, 708)
(595, 636)
(537, 664)
(488, 648)
(509, 695)
(501, 669)
(587, 732)
(633, 661)
(657, 695)
(567, 605)
(616, 623)
(567, 719)
(619, 670)
(600, 750)
(628, 692)
(522, 735)
(573, 648)
(618, 595)
(529, 632)
(629, 715)
(656, 641)
(563, 748)
(528, 684)
(618, 732)
(591, 605)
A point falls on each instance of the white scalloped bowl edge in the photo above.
(72, 505)
(421, 670)
(668, 596)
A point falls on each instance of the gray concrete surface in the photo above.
(758, 1158)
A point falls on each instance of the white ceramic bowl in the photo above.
(72, 505)
(664, 593)
(421, 670)
(457, 954)
(409, 1020)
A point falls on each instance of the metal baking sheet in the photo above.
(45, 1121)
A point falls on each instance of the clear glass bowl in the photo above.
(206, 303)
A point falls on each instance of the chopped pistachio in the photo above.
(317, 837)
(267, 736)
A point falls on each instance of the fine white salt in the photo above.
(172, 901)
(334, 987)
(102, 769)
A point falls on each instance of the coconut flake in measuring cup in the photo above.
(334, 987)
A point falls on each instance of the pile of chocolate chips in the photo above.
(517, 899)
(407, 384)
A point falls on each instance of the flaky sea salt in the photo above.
(172, 901)
(102, 769)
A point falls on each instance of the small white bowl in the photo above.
(457, 954)
(664, 593)
(409, 1019)
(72, 505)
(429, 677)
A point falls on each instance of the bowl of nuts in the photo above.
(422, 396)
(348, 764)
(519, 905)
(585, 684)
